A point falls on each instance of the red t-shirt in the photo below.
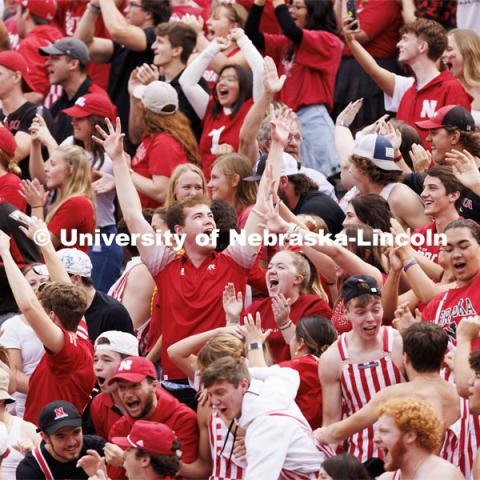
(9, 190)
(428, 250)
(312, 71)
(381, 21)
(443, 90)
(40, 36)
(190, 298)
(269, 23)
(157, 155)
(66, 375)
(448, 308)
(103, 414)
(305, 306)
(180, 418)
(76, 215)
(223, 129)
(69, 13)
(309, 395)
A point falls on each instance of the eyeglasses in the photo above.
(228, 78)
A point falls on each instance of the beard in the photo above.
(146, 408)
(396, 455)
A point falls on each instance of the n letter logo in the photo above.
(125, 365)
(428, 108)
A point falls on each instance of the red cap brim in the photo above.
(76, 112)
(129, 377)
(122, 442)
(428, 125)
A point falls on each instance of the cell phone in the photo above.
(352, 9)
(39, 111)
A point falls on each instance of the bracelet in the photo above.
(284, 327)
(411, 264)
(38, 206)
(94, 9)
(408, 258)
(342, 124)
(398, 158)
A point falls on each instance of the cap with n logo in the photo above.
(57, 415)
(134, 369)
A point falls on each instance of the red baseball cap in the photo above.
(134, 369)
(45, 9)
(16, 62)
(7, 142)
(449, 116)
(92, 104)
(153, 437)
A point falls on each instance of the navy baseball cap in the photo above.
(57, 415)
(378, 150)
(449, 116)
(358, 285)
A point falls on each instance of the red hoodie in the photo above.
(443, 90)
(180, 418)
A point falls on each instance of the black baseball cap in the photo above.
(57, 415)
(449, 116)
(358, 285)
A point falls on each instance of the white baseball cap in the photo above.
(75, 262)
(120, 342)
(157, 96)
(378, 150)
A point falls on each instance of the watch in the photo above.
(255, 346)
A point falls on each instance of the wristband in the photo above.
(94, 9)
(407, 259)
(284, 327)
(398, 158)
(411, 264)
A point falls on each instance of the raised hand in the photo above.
(281, 309)
(404, 318)
(270, 215)
(394, 259)
(348, 114)
(387, 130)
(224, 149)
(114, 455)
(469, 328)
(223, 43)
(105, 183)
(421, 158)
(33, 192)
(232, 303)
(350, 26)
(91, 463)
(195, 23)
(236, 34)
(281, 125)
(39, 131)
(147, 73)
(252, 329)
(271, 82)
(464, 168)
(35, 225)
(112, 142)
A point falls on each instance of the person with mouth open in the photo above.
(410, 432)
(279, 442)
(361, 362)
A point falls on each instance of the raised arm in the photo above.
(252, 25)
(48, 333)
(128, 198)
(182, 353)
(256, 114)
(190, 77)
(285, 20)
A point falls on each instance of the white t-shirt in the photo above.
(16, 333)
(105, 201)
(402, 84)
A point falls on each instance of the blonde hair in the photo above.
(221, 345)
(416, 416)
(79, 182)
(178, 127)
(177, 173)
(468, 43)
(10, 165)
(236, 12)
(235, 164)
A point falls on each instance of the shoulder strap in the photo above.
(387, 339)
(42, 463)
(342, 347)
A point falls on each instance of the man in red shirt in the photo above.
(66, 370)
(421, 46)
(110, 349)
(143, 399)
(34, 18)
(442, 196)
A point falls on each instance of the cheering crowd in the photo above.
(239, 239)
